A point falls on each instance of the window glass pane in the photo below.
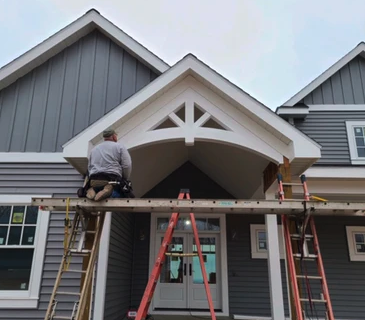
(162, 223)
(201, 223)
(361, 152)
(358, 131)
(32, 215)
(14, 235)
(359, 238)
(360, 142)
(15, 268)
(5, 214)
(28, 236)
(261, 236)
(3, 233)
(18, 215)
(213, 224)
(209, 258)
(172, 269)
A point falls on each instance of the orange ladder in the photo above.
(302, 237)
(155, 274)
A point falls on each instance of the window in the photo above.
(356, 140)
(356, 243)
(23, 232)
(259, 241)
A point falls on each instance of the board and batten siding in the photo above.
(328, 128)
(57, 100)
(57, 180)
(346, 86)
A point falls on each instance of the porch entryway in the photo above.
(180, 286)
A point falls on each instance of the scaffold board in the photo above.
(239, 206)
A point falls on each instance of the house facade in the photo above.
(186, 127)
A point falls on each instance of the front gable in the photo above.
(238, 119)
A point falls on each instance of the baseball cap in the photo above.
(108, 133)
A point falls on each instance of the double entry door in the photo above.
(181, 284)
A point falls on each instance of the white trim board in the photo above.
(336, 107)
(32, 157)
(303, 146)
(70, 34)
(28, 299)
(359, 49)
(336, 172)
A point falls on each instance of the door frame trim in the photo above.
(223, 265)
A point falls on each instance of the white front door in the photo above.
(181, 285)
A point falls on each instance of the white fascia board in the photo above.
(336, 107)
(325, 75)
(69, 35)
(336, 173)
(304, 146)
(292, 110)
(32, 157)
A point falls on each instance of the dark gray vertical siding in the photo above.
(328, 128)
(119, 276)
(58, 180)
(57, 100)
(346, 86)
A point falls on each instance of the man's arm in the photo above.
(126, 162)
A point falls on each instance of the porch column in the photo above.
(273, 262)
(273, 248)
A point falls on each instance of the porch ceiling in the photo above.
(236, 170)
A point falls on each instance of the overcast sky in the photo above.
(271, 49)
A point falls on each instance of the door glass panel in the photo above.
(209, 256)
(172, 269)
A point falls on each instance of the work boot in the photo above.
(90, 194)
(105, 193)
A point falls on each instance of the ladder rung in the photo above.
(61, 317)
(83, 251)
(309, 277)
(299, 236)
(292, 184)
(68, 293)
(314, 300)
(72, 270)
(307, 257)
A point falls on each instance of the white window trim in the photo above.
(352, 142)
(260, 254)
(28, 299)
(354, 256)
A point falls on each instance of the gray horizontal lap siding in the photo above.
(328, 128)
(57, 100)
(346, 86)
(57, 180)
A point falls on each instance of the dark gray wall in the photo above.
(54, 102)
(328, 128)
(59, 180)
(346, 86)
(119, 276)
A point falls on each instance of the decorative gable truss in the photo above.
(192, 116)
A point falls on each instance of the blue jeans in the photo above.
(115, 193)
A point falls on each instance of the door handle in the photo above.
(184, 269)
(189, 269)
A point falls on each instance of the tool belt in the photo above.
(122, 185)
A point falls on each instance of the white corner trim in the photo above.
(28, 299)
(72, 33)
(32, 157)
(325, 75)
(263, 254)
(353, 255)
(335, 172)
(336, 107)
(352, 142)
(102, 269)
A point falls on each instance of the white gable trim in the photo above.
(266, 118)
(32, 157)
(325, 75)
(70, 34)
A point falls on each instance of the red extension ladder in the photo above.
(155, 274)
(302, 237)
